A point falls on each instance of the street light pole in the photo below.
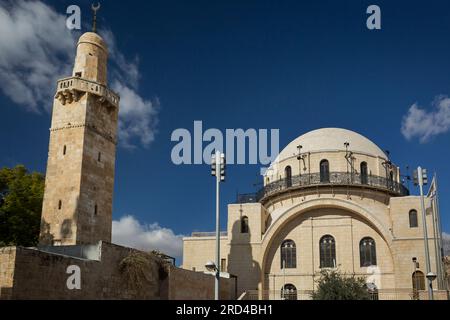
(218, 170)
(421, 180)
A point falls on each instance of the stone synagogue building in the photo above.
(331, 200)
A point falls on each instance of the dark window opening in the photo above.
(324, 171)
(59, 205)
(78, 74)
(64, 150)
(413, 223)
(288, 254)
(327, 252)
(95, 209)
(99, 158)
(364, 175)
(244, 225)
(367, 252)
(289, 292)
(288, 176)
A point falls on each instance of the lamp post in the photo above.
(431, 277)
(421, 179)
(218, 170)
(415, 279)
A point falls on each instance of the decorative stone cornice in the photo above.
(89, 127)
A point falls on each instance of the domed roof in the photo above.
(93, 38)
(331, 139)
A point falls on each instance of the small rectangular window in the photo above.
(59, 205)
(64, 150)
(223, 265)
(78, 74)
(99, 158)
(95, 210)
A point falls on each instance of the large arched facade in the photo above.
(306, 224)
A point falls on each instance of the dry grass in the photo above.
(140, 269)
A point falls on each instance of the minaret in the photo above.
(79, 183)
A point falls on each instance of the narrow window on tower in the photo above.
(78, 74)
(223, 265)
(59, 205)
(95, 209)
(64, 150)
(99, 158)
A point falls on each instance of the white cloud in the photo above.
(138, 117)
(424, 124)
(36, 49)
(446, 243)
(131, 233)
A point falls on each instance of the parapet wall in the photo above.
(30, 273)
(184, 284)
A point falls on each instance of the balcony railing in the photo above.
(331, 179)
(68, 88)
(208, 234)
(382, 294)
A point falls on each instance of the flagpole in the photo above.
(439, 227)
(435, 237)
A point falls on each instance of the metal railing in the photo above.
(208, 234)
(330, 179)
(381, 294)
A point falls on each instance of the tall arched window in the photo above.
(324, 171)
(327, 252)
(367, 252)
(288, 254)
(413, 219)
(364, 175)
(289, 292)
(288, 176)
(418, 280)
(244, 224)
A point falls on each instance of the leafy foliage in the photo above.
(333, 285)
(21, 195)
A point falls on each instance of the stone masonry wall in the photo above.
(28, 274)
(190, 285)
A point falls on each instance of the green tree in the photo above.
(21, 195)
(333, 285)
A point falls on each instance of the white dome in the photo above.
(331, 139)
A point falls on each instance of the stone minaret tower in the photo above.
(79, 181)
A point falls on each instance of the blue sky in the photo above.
(292, 65)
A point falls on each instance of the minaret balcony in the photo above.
(73, 88)
(334, 180)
